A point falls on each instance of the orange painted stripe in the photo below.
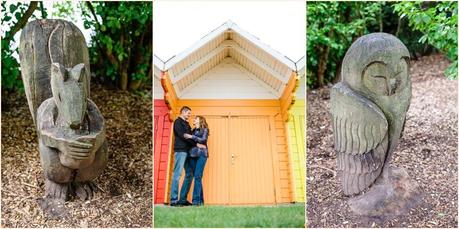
(288, 96)
(170, 96)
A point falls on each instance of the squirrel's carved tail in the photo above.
(43, 42)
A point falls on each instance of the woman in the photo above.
(198, 156)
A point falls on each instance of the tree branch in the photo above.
(22, 21)
(93, 12)
(111, 58)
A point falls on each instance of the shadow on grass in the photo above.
(291, 215)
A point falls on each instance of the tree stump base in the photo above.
(389, 197)
(53, 208)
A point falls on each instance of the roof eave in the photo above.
(210, 36)
(229, 25)
(300, 66)
(256, 41)
(158, 66)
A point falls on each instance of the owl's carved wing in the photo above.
(360, 132)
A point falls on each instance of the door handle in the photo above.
(232, 158)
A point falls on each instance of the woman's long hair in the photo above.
(202, 122)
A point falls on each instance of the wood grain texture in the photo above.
(358, 124)
(296, 138)
(162, 137)
(360, 139)
(68, 48)
(71, 130)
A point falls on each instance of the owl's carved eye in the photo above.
(379, 76)
(375, 76)
(403, 72)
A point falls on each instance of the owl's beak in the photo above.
(392, 86)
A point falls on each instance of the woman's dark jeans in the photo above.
(198, 193)
(194, 167)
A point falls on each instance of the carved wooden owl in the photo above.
(368, 108)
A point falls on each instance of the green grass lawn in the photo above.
(288, 215)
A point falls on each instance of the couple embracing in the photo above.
(191, 153)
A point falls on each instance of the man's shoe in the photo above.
(185, 203)
(175, 205)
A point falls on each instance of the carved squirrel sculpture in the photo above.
(71, 130)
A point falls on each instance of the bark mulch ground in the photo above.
(427, 151)
(125, 199)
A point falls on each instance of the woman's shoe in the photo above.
(185, 203)
(175, 205)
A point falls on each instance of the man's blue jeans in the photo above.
(194, 167)
(179, 162)
(189, 174)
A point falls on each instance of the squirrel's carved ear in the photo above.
(78, 72)
(58, 70)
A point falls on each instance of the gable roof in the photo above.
(158, 65)
(225, 27)
(229, 40)
(300, 67)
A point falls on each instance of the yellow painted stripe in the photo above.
(296, 139)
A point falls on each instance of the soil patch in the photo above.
(126, 184)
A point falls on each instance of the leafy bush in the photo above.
(120, 49)
(14, 17)
(333, 26)
(438, 22)
(11, 76)
(121, 46)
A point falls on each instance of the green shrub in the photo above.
(438, 23)
(14, 17)
(121, 48)
(331, 29)
(333, 26)
(121, 45)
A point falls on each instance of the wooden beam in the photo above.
(229, 102)
(258, 80)
(180, 93)
(220, 31)
(169, 165)
(224, 45)
(257, 43)
(256, 61)
(198, 63)
(275, 161)
(170, 97)
(288, 96)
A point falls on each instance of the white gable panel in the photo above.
(158, 66)
(300, 91)
(227, 81)
(158, 92)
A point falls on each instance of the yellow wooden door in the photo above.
(251, 169)
(239, 169)
(216, 172)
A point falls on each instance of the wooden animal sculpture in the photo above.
(368, 109)
(71, 130)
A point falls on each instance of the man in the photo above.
(181, 148)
